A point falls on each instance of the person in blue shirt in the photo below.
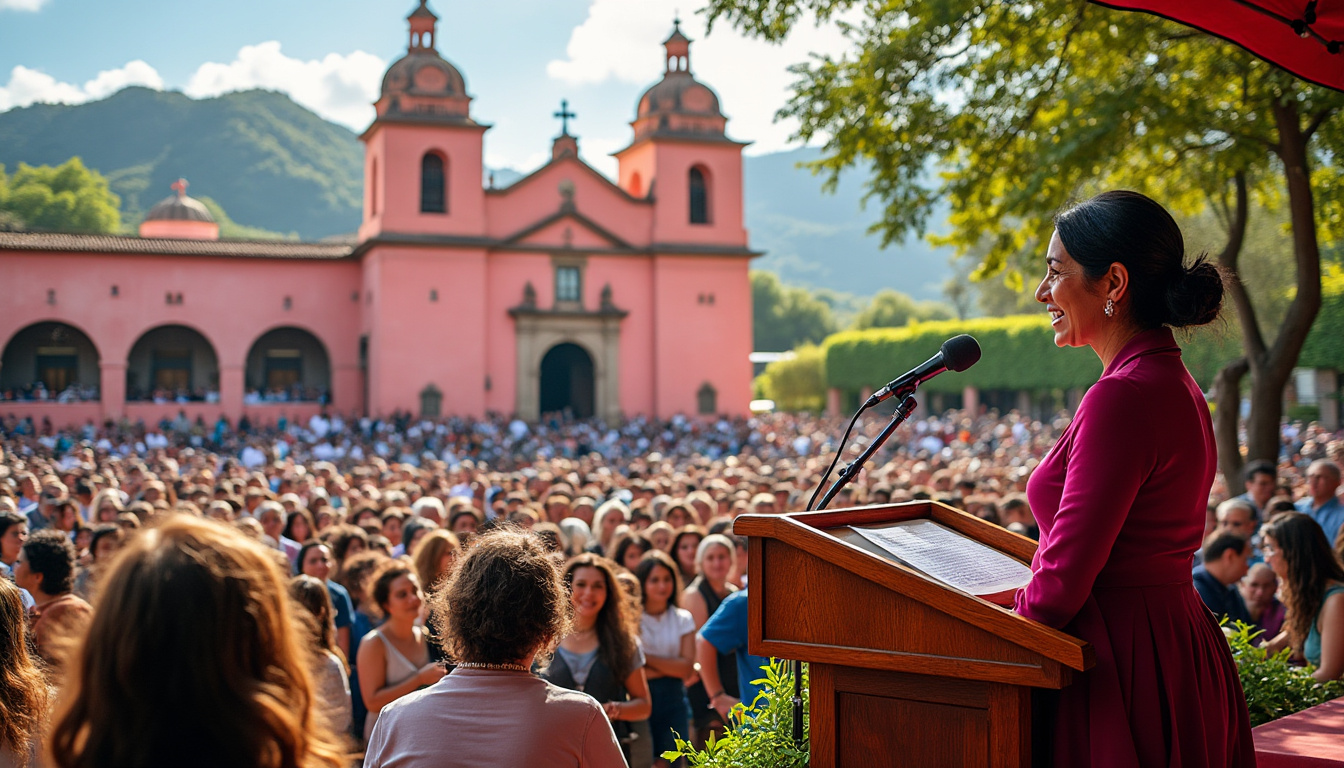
(726, 632)
(1322, 505)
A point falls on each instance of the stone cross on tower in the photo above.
(180, 187)
(564, 114)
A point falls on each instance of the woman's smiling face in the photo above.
(1076, 311)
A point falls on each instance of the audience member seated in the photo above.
(1313, 589)
(1258, 590)
(46, 568)
(1225, 562)
(500, 611)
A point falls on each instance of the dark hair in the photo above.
(625, 542)
(1135, 231)
(656, 558)
(504, 600)
(51, 555)
(341, 536)
(307, 518)
(382, 580)
(1222, 542)
(1259, 467)
(617, 622)
(10, 519)
(1311, 565)
(101, 532)
(309, 545)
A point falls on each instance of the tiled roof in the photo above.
(248, 249)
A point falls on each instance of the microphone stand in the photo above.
(847, 474)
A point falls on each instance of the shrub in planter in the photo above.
(1273, 687)
(761, 733)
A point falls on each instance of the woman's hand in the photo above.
(723, 704)
(431, 673)
(612, 710)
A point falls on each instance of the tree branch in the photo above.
(1316, 121)
(1252, 339)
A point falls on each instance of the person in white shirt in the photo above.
(667, 633)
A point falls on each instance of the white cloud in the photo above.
(339, 88)
(30, 86)
(21, 5)
(618, 42)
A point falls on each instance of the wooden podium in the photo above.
(905, 671)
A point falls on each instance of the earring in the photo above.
(1110, 308)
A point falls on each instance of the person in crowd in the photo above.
(1238, 516)
(106, 506)
(1121, 500)
(628, 548)
(499, 613)
(1321, 504)
(299, 526)
(392, 521)
(725, 634)
(1312, 582)
(434, 557)
(600, 654)
(23, 688)
(684, 546)
(1259, 589)
(667, 633)
(612, 514)
(660, 536)
(106, 540)
(678, 515)
(1260, 479)
(1015, 515)
(355, 577)
(1226, 560)
(330, 677)
(346, 542)
(315, 560)
(464, 523)
(576, 535)
(46, 568)
(214, 634)
(413, 531)
(394, 659)
(272, 518)
(13, 532)
(715, 560)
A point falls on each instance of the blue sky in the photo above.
(520, 58)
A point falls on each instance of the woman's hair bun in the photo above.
(1195, 296)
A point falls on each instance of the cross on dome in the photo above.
(180, 187)
(564, 114)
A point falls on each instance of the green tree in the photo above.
(1026, 105)
(893, 309)
(64, 198)
(797, 383)
(784, 316)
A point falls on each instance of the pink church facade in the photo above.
(563, 291)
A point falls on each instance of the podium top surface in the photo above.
(825, 535)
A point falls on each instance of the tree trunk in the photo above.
(1227, 418)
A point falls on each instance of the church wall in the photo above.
(398, 149)
(508, 273)
(703, 321)
(231, 302)
(631, 279)
(672, 193)
(417, 340)
(532, 199)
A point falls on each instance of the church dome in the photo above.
(422, 83)
(679, 104)
(179, 207)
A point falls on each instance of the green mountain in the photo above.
(274, 165)
(269, 162)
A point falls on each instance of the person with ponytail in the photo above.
(1120, 500)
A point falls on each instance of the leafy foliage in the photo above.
(797, 383)
(1273, 687)
(1018, 352)
(893, 309)
(761, 733)
(267, 160)
(784, 316)
(1324, 347)
(64, 198)
(230, 229)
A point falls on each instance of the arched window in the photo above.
(636, 185)
(699, 197)
(373, 188)
(433, 184)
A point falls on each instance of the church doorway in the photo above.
(567, 381)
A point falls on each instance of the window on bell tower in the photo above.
(699, 194)
(433, 184)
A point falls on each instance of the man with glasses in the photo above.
(1321, 504)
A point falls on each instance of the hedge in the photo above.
(1019, 353)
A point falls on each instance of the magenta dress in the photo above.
(1120, 501)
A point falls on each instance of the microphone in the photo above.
(957, 354)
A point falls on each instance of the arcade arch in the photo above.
(287, 365)
(567, 381)
(50, 361)
(172, 363)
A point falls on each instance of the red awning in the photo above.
(1305, 38)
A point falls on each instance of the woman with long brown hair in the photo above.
(219, 675)
(601, 655)
(329, 667)
(23, 690)
(1296, 549)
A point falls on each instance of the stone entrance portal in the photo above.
(567, 381)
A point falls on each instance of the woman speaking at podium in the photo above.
(1121, 500)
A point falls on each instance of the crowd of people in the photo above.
(39, 392)
(396, 587)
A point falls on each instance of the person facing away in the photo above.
(1121, 500)
(502, 608)
(220, 676)
(1226, 556)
